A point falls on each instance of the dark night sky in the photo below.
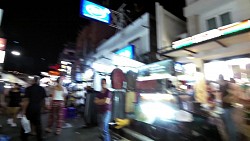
(42, 27)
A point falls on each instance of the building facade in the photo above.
(204, 15)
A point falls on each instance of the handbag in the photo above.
(25, 124)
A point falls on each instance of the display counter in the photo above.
(166, 117)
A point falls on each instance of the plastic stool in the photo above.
(71, 112)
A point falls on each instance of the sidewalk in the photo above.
(74, 133)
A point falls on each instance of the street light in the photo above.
(17, 53)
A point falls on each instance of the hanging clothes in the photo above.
(130, 102)
(118, 104)
(131, 80)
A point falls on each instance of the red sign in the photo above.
(55, 67)
(2, 43)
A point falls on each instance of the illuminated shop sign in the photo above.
(127, 51)
(95, 11)
(211, 34)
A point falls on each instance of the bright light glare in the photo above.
(103, 68)
(157, 97)
(154, 77)
(89, 73)
(65, 63)
(2, 56)
(31, 77)
(67, 81)
(16, 53)
(123, 61)
(155, 110)
(7, 86)
(44, 73)
(44, 85)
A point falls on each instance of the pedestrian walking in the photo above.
(14, 104)
(103, 102)
(58, 94)
(1, 94)
(31, 107)
(230, 126)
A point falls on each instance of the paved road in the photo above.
(75, 133)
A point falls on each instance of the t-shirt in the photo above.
(15, 98)
(106, 107)
(36, 95)
(58, 95)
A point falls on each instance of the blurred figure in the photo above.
(228, 109)
(31, 107)
(1, 93)
(58, 94)
(211, 95)
(103, 102)
(200, 87)
(190, 92)
(14, 104)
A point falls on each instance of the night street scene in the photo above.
(125, 70)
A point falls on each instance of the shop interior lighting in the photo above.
(7, 86)
(44, 74)
(154, 110)
(126, 62)
(31, 77)
(154, 77)
(16, 53)
(65, 63)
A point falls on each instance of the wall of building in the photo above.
(90, 37)
(198, 12)
(168, 27)
(136, 33)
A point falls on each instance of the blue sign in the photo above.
(127, 51)
(95, 11)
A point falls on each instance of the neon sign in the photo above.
(211, 34)
(95, 11)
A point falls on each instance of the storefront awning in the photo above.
(234, 44)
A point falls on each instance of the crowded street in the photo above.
(125, 70)
(74, 129)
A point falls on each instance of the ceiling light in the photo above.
(16, 53)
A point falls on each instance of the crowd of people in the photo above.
(224, 94)
(30, 102)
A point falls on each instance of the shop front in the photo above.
(225, 51)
